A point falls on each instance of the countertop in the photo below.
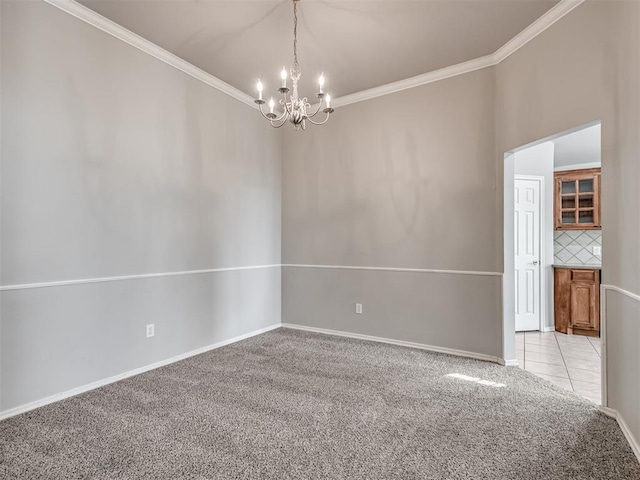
(577, 267)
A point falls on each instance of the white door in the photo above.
(527, 250)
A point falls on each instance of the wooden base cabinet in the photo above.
(577, 301)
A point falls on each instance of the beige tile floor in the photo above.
(571, 361)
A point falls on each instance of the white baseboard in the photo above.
(509, 363)
(549, 329)
(421, 346)
(625, 429)
(101, 383)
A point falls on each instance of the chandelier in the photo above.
(296, 109)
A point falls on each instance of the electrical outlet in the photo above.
(151, 330)
(359, 308)
(597, 250)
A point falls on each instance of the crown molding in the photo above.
(558, 11)
(425, 78)
(87, 15)
(561, 9)
(95, 19)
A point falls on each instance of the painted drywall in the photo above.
(623, 356)
(115, 164)
(57, 339)
(410, 306)
(584, 68)
(578, 148)
(405, 181)
(538, 160)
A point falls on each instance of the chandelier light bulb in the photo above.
(283, 76)
(260, 88)
(321, 82)
(328, 100)
(271, 105)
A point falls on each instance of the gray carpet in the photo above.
(289, 404)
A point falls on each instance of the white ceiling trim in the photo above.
(532, 31)
(434, 76)
(95, 19)
(536, 28)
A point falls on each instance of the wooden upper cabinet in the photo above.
(577, 200)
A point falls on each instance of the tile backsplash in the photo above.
(575, 247)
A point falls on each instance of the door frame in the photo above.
(508, 298)
(543, 266)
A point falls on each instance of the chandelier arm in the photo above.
(286, 105)
(322, 122)
(278, 126)
(282, 117)
(262, 112)
(317, 110)
(272, 119)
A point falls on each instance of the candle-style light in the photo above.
(260, 88)
(321, 82)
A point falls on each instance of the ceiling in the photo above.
(577, 148)
(358, 44)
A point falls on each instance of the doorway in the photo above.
(551, 231)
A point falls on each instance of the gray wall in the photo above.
(584, 68)
(623, 357)
(115, 164)
(405, 181)
(409, 306)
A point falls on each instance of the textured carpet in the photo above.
(289, 404)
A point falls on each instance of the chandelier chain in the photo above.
(295, 33)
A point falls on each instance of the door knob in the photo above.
(535, 262)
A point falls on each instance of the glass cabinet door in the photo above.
(586, 216)
(568, 187)
(585, 201)
(568, 202)
(569, 217)
(586, 185)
